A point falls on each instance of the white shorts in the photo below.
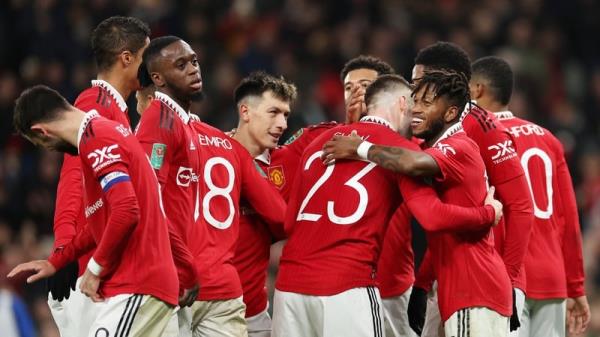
(217, 318)
(476, 322)
(433, 319)
(132, 316)
(520, 302)
(395, 316)
(353, 313)
(259, 325)
(74, 315)
(544, 318)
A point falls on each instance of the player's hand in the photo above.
(189, 296)
(515, 323)
(497, 205)
(89, 286)
(41, 268)
(417, 306)
(63, 281)
(578, 315)
(341, 147)
(355, 106)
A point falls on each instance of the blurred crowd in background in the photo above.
(551, 45)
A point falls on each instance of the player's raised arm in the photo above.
(397, 159)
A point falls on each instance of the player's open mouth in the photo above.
(416, 121)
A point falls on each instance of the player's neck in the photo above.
(117, 81)
(243, 136)
(491, 105)
(433, 140)
(67, 128)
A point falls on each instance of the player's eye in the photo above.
(181, 66)
(194, 62)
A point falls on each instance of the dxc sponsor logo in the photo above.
(105, 153)
(214, 141)
(502, 149)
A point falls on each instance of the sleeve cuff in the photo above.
(363, 150)
(94, 267)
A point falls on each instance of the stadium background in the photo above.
(552, 46)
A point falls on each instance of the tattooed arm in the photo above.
(397, 159)
(401, 160)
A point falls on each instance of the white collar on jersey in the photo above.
(113, 93)
(264, 157)
(84, 123)
(184, 115)
(376, 120)
(501, 115)
(454, 129)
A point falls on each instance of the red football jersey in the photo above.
(228, 173)
(253, 250)
(69, 218)
(395, 269)
(136, 258)
(504, 171)
(335, 222)
(554, 261)
(470, 272)
(167, 138)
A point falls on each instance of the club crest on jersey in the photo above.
(445, 148)
(158, 155)
(504, 151)
(185, 176)
(294, 137)
(104, 156)
(276, 176)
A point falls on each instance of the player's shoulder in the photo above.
(95, 98)
(311, 131)
(100, 131)
(164, 115)
(457, 145)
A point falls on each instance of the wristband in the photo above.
(94, 267)
(363, 150)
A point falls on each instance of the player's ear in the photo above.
(126, 58)
(157, 79)
(244, 112)
(451, 113)
(38, 130)
(476, 89)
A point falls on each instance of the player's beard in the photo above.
(434, 130)
(197, 96)
(62, 146)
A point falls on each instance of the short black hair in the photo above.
(383, 83)
(152, 51)
(259, 82)
(366, 62)
(116, 35)
(499, 74)
(445, 56)
(450, 84)
(37, 104)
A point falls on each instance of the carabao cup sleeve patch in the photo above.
(158, 155)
